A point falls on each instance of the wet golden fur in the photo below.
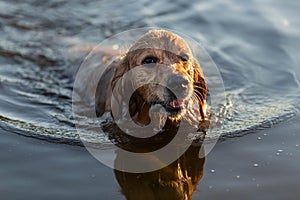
(168, 48)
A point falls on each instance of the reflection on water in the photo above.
(177, 181)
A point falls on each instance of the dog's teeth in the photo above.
(172, 104)
(176, 103)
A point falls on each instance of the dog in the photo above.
(158, 56)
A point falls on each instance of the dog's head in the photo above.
(168, 74)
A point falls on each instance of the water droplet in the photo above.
(255, 165)
(279, 150)
(212, 171)
(285, 22)
(297, 145)
(115, 46)
(259, 138)
(238, 177)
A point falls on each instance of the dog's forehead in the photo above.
(163, 40)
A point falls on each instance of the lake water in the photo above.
(255, 45)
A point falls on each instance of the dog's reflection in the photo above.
(177, 181)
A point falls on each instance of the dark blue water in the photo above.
(255, 44)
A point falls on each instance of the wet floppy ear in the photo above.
(200, 87)
(104, 88)
(121, 67)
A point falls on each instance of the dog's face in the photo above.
(172, 74)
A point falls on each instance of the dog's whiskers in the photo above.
(198, 95)
(200, 87)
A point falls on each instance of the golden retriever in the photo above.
(184, 87)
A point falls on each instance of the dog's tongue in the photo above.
(176, 103)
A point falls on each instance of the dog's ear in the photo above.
(118, 88)
(200, 87)
(121, 67)
(106, 85)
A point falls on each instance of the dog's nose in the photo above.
(177, 82)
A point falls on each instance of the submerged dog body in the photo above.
(164, 72)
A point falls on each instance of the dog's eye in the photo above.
(184, 57)
(149, 60)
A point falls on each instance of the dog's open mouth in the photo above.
(173, 107)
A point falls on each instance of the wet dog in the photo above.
(159, 56)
